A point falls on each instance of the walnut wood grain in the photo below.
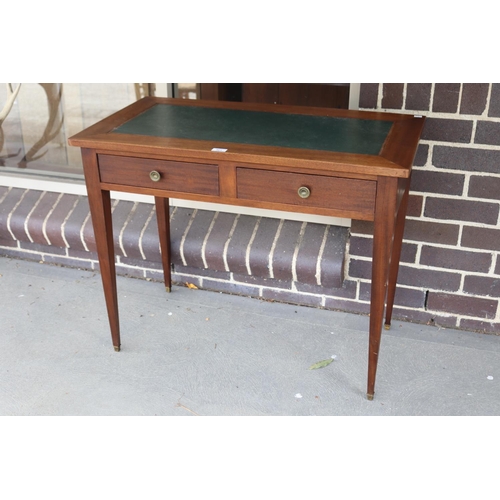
(383, 235)
(400, 143)
(100, 209)
(163, 220)
(359, 186)
(326, 192)
(181, 177)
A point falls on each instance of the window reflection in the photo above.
(35, 125)
(187, 90)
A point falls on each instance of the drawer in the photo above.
(322, 191)
(176, 176)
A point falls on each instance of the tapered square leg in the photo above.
(100, 210)
(396, 254)
(383, 235)
(163, 218)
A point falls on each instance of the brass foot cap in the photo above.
(167, 288)
(117, 348)
(369, 397)
(387, 326)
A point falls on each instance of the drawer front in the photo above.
(322, 191)
(176, 176)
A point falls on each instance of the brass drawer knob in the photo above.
(154, 176)
(304, 192)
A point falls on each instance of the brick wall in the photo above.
(450, 264)
(450, 269)
(271, 259)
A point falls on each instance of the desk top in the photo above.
(365, 143)
(290, 130)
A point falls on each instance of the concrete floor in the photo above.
(194, 352)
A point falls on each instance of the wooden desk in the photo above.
(341, 163)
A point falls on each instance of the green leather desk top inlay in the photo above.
(344, 135)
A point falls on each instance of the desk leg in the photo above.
(163, 217)
(100, 210)
(385, 212)
(396, 255)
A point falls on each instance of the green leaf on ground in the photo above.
(321, 364)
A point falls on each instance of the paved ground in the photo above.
(194, 352)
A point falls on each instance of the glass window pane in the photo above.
(34, 129)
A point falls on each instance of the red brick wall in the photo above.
(450, 270)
